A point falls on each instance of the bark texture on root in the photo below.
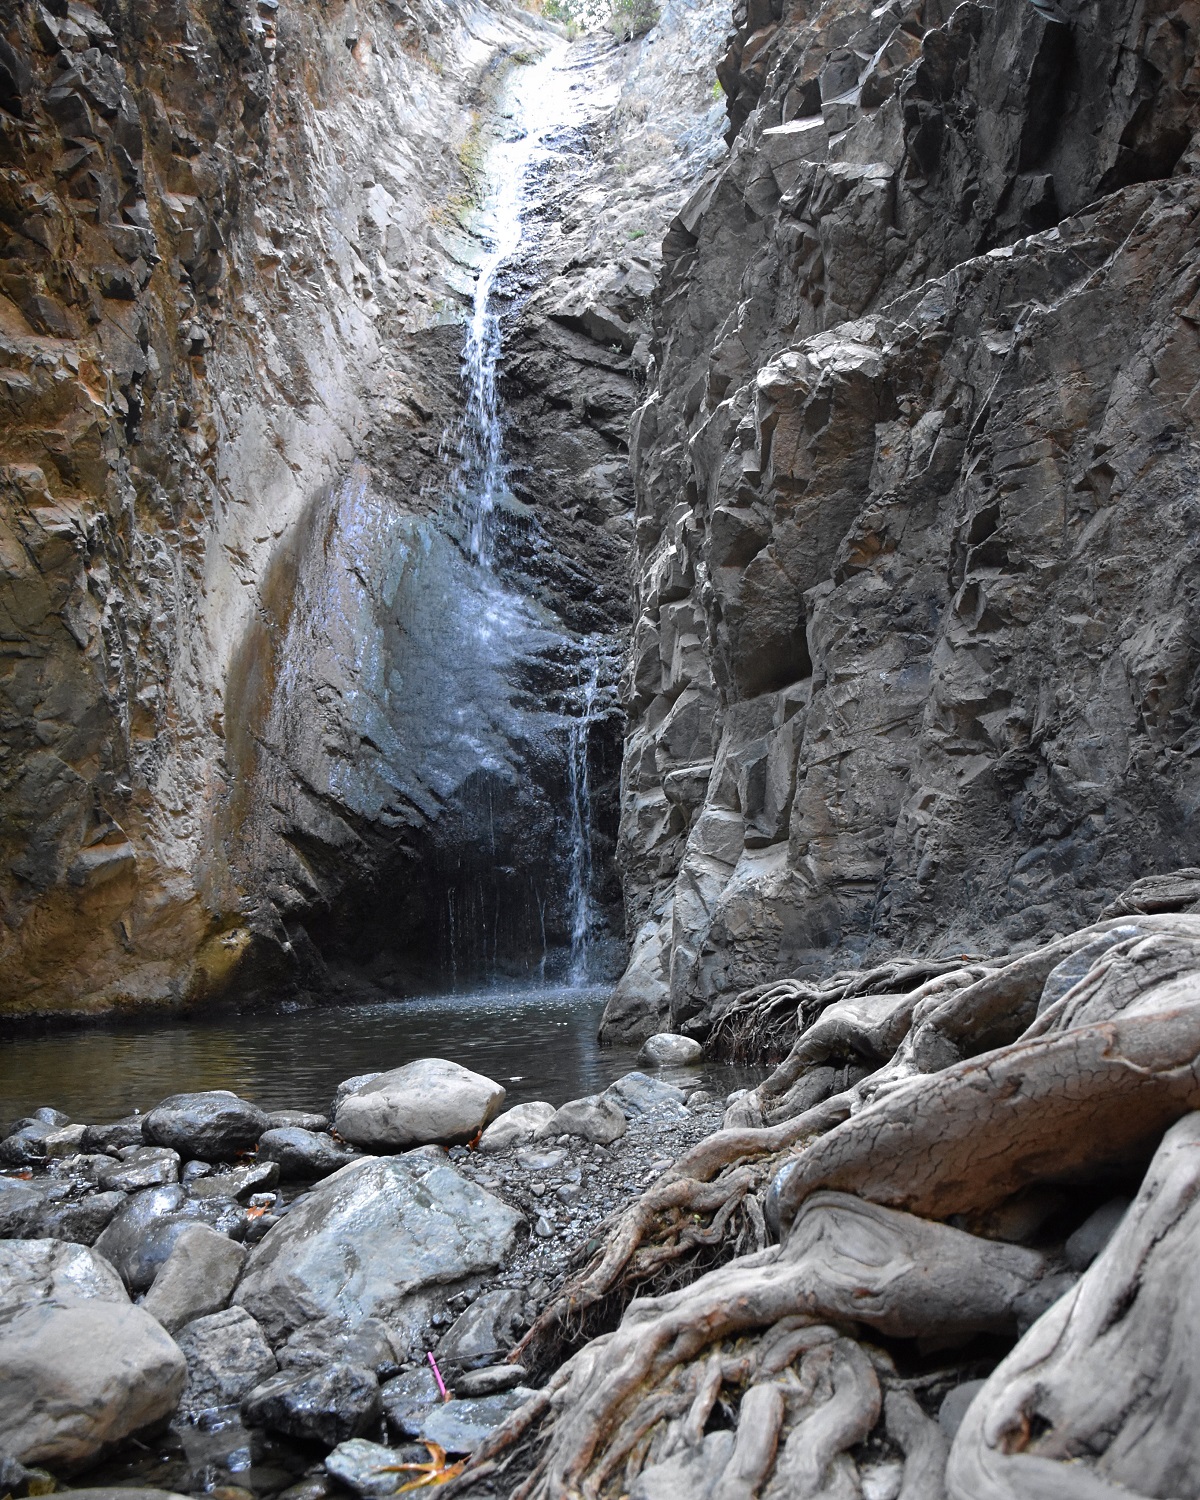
(846, 1263)
(1101, 1398)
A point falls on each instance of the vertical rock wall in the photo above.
(916, 660)
(223, 283)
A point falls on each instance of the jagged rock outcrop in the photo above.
(237, 249)
(914, 665)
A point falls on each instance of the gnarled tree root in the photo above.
(845, 1262)
(1101, 1398)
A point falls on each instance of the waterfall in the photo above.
(580, 895)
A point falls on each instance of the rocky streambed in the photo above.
(208, 1297)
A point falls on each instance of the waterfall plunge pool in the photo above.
(539, 1042)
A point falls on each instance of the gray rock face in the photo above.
(430, 1100)
(369, 1240)
(143, 1233)
(329, 1404)
(594, 1118)
(80, 1367)
(211, 1126)
(227, 1356)
(896, 667)
(196, 1279)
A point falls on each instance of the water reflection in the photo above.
(540, 1043)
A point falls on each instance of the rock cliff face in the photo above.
(235, 255)
(915, 661)
(221, 283)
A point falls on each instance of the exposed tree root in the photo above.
(941, 1090)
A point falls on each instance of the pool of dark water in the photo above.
(540, 1043)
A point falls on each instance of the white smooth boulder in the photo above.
(594, 1118)
(667, 1049)
(516, 1124)
(80, 1366)
(370, 1240)
(196, 1279)
(427, 1102)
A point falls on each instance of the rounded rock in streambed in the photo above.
(328, 1404)
(213, 1126)
(26, 1146)
(667, 1049)
(430, 1101)
(144, 1231)
(299, 1119)
(303, 1155)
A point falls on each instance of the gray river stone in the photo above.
(594, 1118)
(638, 1094)
(667, 1049)
(80, 1220)
(197, 1278)
(117, 1133)
(213, 1125)
(519, 1123)
(140, 1167)
(144, 1231)
(80, 1366)
(366, 1242)
(364, 1468)
(238, 1183)
(301, 1153)
(327, 1405)
(460, 1426)
(491, 1380)
(485, 1331)
(407, 1398)
(25, 1146)
(227, 1356)
(427, 1101)
(20, 1204)
(296, 1119)
(366, 1343)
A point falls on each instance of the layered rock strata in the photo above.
(914, 662)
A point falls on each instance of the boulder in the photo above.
(118, 1133)
(239, 1184)
(516, 1124)
(196, 1279)
(297, 1119)
(460, 1426)
(80, 1220)
(490, 1380)
(667, 1049)
(213, 1126)
(227, 1356)
(370, 1238)
(302, 1154)
(637, 1094)
(407, 1398)
(364, 1468)
(143, 1233)
(595, 1118)
(80, 1366)
(485, 1332)
(367, 1344)
(64, 1140)
(140, 1167)
(26, 1146)
(430, 1100)
(349, 1086)
(327, 1405)
(20, 1205)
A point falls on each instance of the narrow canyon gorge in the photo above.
(601, 695)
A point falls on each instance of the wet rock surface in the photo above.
(431, 1100)
(900, 600)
